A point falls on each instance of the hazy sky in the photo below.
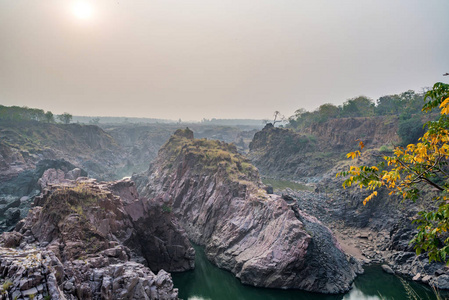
(195, 59)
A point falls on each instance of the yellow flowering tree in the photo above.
(413, 169)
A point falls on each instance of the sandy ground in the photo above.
(349, 245)
(362, 244)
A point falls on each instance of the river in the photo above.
(207, 282)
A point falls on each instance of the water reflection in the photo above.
(207, 282)
(198, 298)
(356, 294)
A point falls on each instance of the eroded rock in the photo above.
(222, 205)
(85, 242)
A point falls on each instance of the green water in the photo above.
(283, 184)
(207, 282)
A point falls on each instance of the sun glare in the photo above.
(82, 10)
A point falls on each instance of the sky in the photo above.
(197, 59)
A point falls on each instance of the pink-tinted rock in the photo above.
(222, 205)
(86, 242)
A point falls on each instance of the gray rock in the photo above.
(73, 174)
(95, 266)
(32, 291)
(12, 216)
(440, 272)
(10, 203)
(426, 278)
(24, 199)
(441, 282)
(387, 269)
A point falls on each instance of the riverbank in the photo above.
(378, 233)
(208, 282)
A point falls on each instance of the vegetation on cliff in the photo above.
(81, 200)
(401, 109)
(85, 234)
(404, 105)
(207, 156)
(221, 203)
(414, 169)
(314, 142)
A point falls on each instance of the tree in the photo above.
(327, 111)
(388, 105)
(411, 102)
(277, 117)
(410, 130)
(65, 118)
(35, 114)
(414, 169)
(358, 107)
(49, 117)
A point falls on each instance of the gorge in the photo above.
(204, 191)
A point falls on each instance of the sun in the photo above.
(82, 10)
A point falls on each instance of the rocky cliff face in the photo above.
(95, 240)
(141, 142)
(382, 229)
(16, 193)
(341, 134)
(27, 149)
(24, 144)
(220, 202)
(307, 155)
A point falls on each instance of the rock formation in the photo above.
(220, 202)
(29, 148)
(24, 144)
(17, 192)
(310, 153)
(382, 229)
(94, 240)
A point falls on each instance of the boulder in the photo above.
(426, 279)
(11, 239)
(387, 269)
(441, 282)
(417, 277)
(12, 216)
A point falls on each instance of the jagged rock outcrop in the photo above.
(308, 154)
(29, 148)
(97, 240)
(24, 144)
(141, 142)
(17, 193)
(220, 202)
(283, 153)
(38, 274)
(380, 231)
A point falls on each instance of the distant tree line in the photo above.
(119, 120)
(407, 106)
(18, 114)
(404, 105)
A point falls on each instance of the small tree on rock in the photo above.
(278, 117)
